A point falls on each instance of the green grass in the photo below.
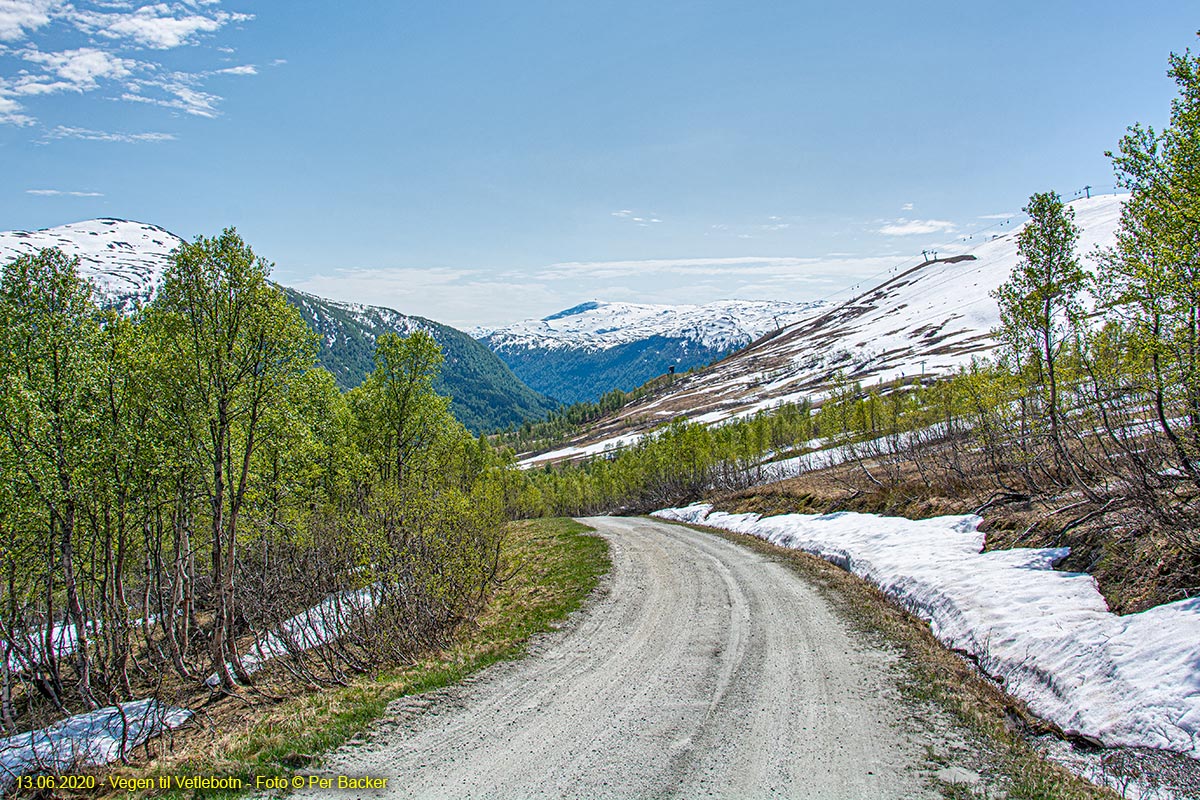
(555, 565)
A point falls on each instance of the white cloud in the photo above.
(17, 17)
(1006, 215)
(913, 227)
(906, 207)
(569, 270)
(76, 70)
(640, 218)
(64, 132)
(61, 193)
(466, 297)
(181, 96)
(158, 27)
(105, 34)
(11, 111)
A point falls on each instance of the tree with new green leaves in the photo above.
(404, 417)
(232, 348)
(1152, 275)
(48, 330)
(1041, 303)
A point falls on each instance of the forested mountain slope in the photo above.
(484, 392)
(125, 261)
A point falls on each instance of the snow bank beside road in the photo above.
(1047, 636)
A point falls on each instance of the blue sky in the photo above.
(479, 163)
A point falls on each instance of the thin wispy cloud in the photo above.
(62, 193)
(478, 296)
(1006, 215)
(180, 97)
(87, 134)
(731, 267)
(115, 52)
(642, 219)
(913, 227)
(906, 207)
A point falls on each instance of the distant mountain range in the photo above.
(584, 351)
(126, 260)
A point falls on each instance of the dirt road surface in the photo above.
(704, 669)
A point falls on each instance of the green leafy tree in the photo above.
(48, 332)
(1040, 304)
(231, 349)
(1152, 275)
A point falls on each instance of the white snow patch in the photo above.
(91, 739)
(124, 260)
(602, 446)
(325, 622)
(1046, 636)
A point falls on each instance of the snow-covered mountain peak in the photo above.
(123, 259)
(598, 325)
(582, 308)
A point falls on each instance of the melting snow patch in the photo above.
(91, 739)
(325, 622)
(1047, 636)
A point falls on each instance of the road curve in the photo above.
(705, 670)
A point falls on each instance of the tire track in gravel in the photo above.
(705, 669)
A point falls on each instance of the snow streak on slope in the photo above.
(371, 318)
(124, 260)
(86, 740)
(722, 325)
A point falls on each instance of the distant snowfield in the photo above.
(1046, 636)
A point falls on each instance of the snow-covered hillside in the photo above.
(124, 260)
(930, 319)
(720, 326)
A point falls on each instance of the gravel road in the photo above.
(703, 669)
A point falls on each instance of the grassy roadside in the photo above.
(932, 673)
(557, 564)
